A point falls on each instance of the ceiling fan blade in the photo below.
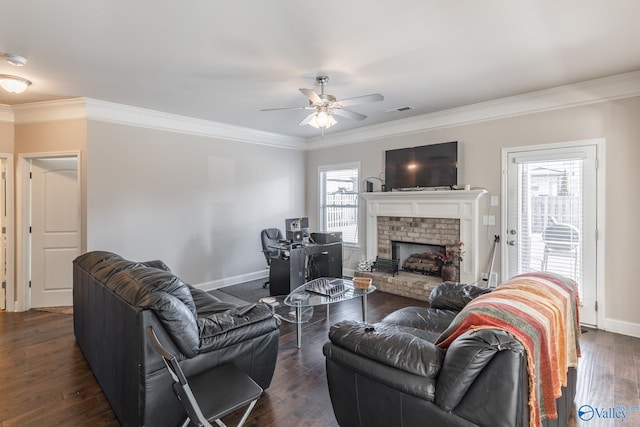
(312, 95)
(374, 97)
(349, 114)
(306, 120)
(288, 108)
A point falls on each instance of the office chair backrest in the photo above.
(270, 237)
(180, 384)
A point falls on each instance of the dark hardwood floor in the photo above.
(44, 379)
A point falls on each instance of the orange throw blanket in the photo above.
(541, 311)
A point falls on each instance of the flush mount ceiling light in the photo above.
(326, 106)
(14, 84)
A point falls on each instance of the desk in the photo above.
(300, 263)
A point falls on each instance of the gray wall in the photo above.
(197, 203)
(481, 144)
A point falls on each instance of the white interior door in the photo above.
(55, 230)
(551, 225)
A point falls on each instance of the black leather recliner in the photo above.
(391, 373)
(115, 300)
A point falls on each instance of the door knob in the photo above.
(512, 243)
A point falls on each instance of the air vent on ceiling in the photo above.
(399, 109)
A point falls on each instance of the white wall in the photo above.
(195, 202)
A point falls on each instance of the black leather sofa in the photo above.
(392, 374)
(114, 300)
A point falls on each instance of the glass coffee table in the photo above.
(323, 291)
(285, 312)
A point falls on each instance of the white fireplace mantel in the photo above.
(465, 205)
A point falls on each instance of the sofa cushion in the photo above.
(405, 348)
(427, 319)
(227, 328)
(454, 296)
(208, 305)
(167, 296)
(89, 260)
(156, 263)
(105, 270)
(154, 280)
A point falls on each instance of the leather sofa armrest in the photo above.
(400, 347)
(466, 358)
(229, 327)
(454, 296)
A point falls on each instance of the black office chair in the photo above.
(270, 238)
(210, 395)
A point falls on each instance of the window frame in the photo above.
(323, 169)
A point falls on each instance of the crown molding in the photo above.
(93, 109)
(6, 114)
(141, 117)
(50, 111)
(588, 92)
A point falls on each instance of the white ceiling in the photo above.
(225, 61)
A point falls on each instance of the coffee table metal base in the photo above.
(299, 314)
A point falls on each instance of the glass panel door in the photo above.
(551, 217)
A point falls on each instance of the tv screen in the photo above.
(433, 165)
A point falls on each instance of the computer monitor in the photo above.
(296, 229)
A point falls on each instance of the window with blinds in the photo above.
(339, 200)
(551, 216)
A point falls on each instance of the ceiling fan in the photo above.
(325, 105)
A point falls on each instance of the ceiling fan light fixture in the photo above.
(325, 105)
(322, 120)
(14, 84)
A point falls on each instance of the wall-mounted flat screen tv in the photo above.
(427, 166)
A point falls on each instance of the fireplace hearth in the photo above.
(410, 285)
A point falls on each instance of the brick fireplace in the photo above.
(424, 217)
(431, 231)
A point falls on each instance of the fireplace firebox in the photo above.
(417, 257)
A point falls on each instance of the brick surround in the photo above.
(434, 231)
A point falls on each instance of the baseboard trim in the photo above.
(622, 327)
(263, 274)
(228, 281)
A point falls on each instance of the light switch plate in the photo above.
(494, 201)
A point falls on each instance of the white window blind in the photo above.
(551, 216)
(339, 201)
